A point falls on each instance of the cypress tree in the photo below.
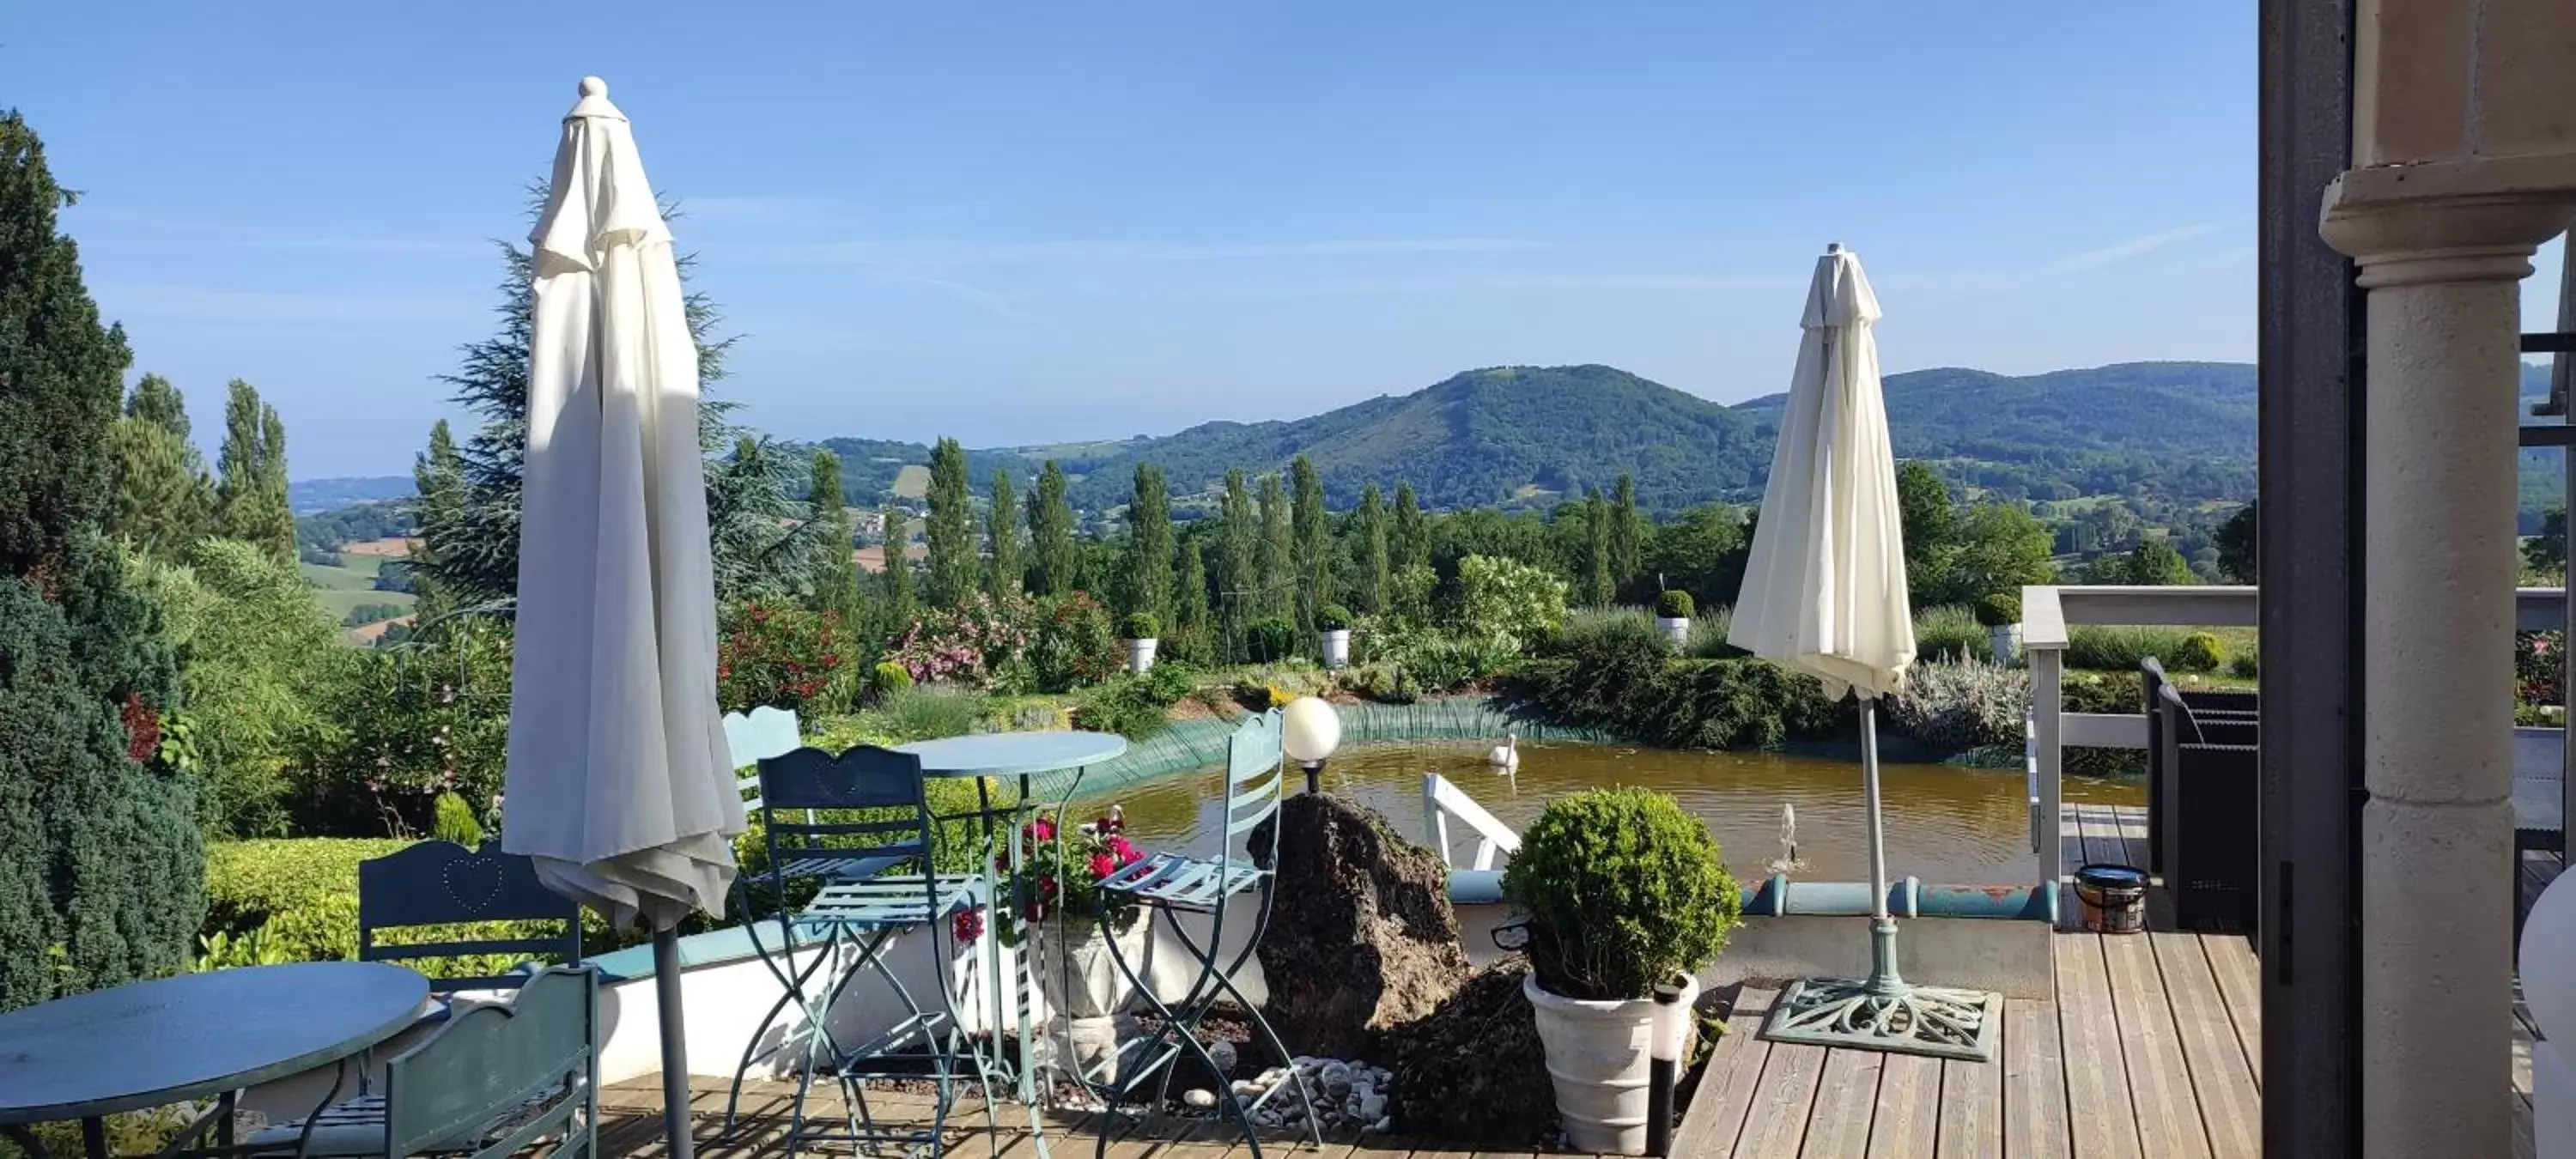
(951, 528)
(1278, 561)
(1190, 618)
(900, 606)
(1314, 531)
(1149, 543)
(250, 486)
(1242, 533)
(1409, 542)
(1627, 534)
(836, 574)
(1051, 530)
(162, 494)
(1002, 529)
(102, 869)
(1368, 546)
(1598, 588)
(438, 476)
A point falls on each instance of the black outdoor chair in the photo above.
(2212, 794)
(2213, 706)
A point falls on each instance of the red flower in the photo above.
(1125, 851)
(1102, 865)
(968, 925)
(1042, 829)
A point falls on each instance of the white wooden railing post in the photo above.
(1435, 820)
(2043, 645)
(1442, 801)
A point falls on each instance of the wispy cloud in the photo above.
(205, 304)
(2139, 246)
(1103, 252)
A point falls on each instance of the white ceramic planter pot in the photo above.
(1082, 984)
(1140, 654)
(2005, 642)
(1336, 647)
(1599, 1058)
(1677, 628)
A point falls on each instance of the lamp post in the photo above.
(1309, 731)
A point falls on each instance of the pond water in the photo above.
(1944, 824)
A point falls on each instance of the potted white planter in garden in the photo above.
(1333, 635)
(1142, 631)
(1077, 977)
(1636, 859)
(1673, 614)
(2001, 614)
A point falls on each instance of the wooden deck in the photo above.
(2150, 1048)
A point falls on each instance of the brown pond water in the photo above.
(1944, 824)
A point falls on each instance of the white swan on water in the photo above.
(1506, 757)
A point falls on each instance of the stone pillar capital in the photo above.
(2449, 221)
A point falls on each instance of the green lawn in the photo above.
(342, 588)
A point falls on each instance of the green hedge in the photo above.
(1621, 677)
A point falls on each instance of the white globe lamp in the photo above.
(1309, 730)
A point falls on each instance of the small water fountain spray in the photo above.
(1787, 862)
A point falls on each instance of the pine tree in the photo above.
(1240, 558)
(102, 867)
(836, 573)
(1409, 542)
(900, 606)
(438, 477)
(250, 487)
(1627, 534)
(1002, 529)
(1190, 620)
(163, 497)
(1149, 545)
(154, 400)
(1598, 588)
(951, 528)
(1368, 547)
(1051, 533)
(1278, 563)
(1314, 531)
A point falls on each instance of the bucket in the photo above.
(1600, 1059)
(2113, 898)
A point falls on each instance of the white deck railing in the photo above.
(1443, 802)
(2049, 612)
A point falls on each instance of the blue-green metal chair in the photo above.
(492, 1081)
(856, 830)
(1172, 885)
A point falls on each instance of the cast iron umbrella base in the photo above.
(1885, 1012)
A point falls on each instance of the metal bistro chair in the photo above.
(1172, 885)
(496, 1079)
(857, 827)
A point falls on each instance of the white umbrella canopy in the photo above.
(1824, 586)
(619, 782)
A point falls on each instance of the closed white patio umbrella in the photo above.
(619, 782)
(1824, 592)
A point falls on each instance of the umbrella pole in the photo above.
(675, 1045)
(1883, 1011)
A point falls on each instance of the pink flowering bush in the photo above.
(1065, 868)
(983, 643)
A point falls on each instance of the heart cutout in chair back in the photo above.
(474, 884)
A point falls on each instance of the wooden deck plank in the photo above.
(2231, 1108)
(2132, 827)
(1846, 1101)
(1776, 1126)
(1715, 1120)
(2160, 1085)
(1906, 1124)
(2103, 1120)
(2034, 1086)
(1969, 1120)
(2239, 976)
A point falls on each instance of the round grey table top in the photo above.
(195, 1035)
(1009, 754)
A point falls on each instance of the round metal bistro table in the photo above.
(1022, 756)
(172, 1040)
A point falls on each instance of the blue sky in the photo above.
(1027, 222)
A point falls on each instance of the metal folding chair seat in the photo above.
(1172, 885)
(857, 828)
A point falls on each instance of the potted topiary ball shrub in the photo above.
(1142, 630)
(1673, 614)
(1333, 635)
(2001, 614)
(1623, 891)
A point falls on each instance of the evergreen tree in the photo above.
(1190, 620)
(1599, 589)
(163, 497)
(1627, 534)
(1278, 557)
(2546, 552)
(250, 487)
(1051, 533)
(951, 528)
(1409, 541)
(900, 605)
(1314, 531)
(438, 476)
(1002, 529)
(1368, 547)
(836, 573)
(1240, 558)
(1149, 543)
(102, 868)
